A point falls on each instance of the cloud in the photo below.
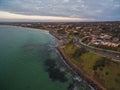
(11, 16)
(100, 10)
(66, 1)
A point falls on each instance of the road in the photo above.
(115, 56)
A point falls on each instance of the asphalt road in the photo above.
(112, 55)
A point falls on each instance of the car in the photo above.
(118, 56)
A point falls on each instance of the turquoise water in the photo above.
(29, 61)
(23, 53)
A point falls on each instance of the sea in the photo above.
(29, 61)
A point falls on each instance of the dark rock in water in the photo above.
(54, 72)
(71, 86)
(50, 63)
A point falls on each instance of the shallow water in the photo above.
(29, 61)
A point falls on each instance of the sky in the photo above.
(60, 10)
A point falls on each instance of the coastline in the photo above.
(90, 81)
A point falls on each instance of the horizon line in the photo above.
(8, 16)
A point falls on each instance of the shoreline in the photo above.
(85, 77)
(27, 28)
(90, 81)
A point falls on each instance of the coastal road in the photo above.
(115, 56)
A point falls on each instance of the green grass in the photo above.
(89, 60)
(112, 79)
(107, 74)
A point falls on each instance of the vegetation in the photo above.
(97, 67)
(100, 63)
(108, 47)
(61, 31)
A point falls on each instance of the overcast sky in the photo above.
(59, 10)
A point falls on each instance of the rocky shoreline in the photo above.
(93, 83)
(89, 80)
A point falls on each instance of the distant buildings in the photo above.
(98, 33)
